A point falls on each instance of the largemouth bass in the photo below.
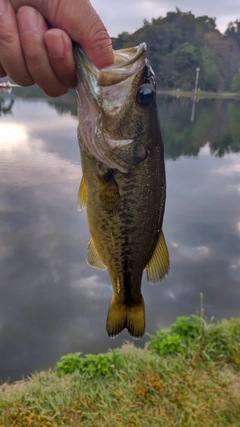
(123, 185)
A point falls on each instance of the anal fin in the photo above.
(158, 266)
(93, 257)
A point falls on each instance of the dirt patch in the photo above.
(16, 386)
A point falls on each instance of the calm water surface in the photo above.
(51, 301)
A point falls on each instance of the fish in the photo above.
(123, 186)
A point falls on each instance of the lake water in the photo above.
(51, 301)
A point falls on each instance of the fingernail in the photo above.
(56, 47)
(29, 19)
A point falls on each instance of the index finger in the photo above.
(11, 55)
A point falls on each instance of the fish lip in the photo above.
(133, 60)
(82, 62)
(137, 52)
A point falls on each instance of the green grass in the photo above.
(188, 375)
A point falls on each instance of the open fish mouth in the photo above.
(127, 62)
(102, 92)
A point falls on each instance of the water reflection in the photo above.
(51, 301)
(6, 106)
(216, 122)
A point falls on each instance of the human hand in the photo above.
(31, 53)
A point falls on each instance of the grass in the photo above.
(188, 375)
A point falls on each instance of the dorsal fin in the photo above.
(158, 266)
(82, 194)
(93, 257)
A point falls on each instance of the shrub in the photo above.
(90, 365)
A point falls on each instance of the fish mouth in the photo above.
(102, 92)
(127, 62)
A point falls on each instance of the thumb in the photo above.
(80, 21)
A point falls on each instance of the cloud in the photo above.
(129, 15)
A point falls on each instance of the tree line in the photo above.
(216, 120)
(180, 42)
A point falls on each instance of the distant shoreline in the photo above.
(200, 94)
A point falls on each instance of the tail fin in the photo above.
(121, 316)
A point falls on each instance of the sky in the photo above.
(128, 15)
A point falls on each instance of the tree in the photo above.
(235, 86)
(186, 60)
(209, 77)
(181, 42)
(120, 41)
(233, 31)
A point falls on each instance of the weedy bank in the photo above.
(188, 375)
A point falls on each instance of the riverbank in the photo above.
(200, 94)
(188, 375)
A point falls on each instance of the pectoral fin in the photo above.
(93, 258)
(158, 266)
(82, 194)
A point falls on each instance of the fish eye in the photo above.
(145, 95)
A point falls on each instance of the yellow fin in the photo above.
(93, 258)
(82, 194)
(158, 266)
(121, 316)
(108, 191)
